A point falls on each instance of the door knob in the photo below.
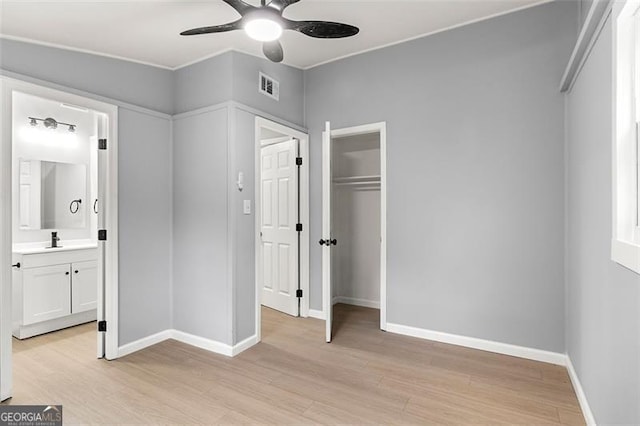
(322, 242)
(17, 265)
(334, 242)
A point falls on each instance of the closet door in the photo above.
(279, 216)
(327, 240)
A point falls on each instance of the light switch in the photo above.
(247, 207)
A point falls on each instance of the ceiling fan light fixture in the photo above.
(265, 23)
(262, 29)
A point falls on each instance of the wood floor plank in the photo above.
(365, 376)
(571, 417)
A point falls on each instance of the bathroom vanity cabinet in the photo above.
(53, 289)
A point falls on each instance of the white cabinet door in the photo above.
(46, 292)
(84, 286)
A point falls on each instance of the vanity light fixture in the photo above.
(51, 123)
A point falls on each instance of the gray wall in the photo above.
(138, 84)
(202, 298)
(475, 172)
(246, 69)
(203, 84)
(234, 76)
(603, 322)
(245, 284)
(144, 218)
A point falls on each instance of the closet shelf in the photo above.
(357, 180)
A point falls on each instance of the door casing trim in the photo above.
(107, 250)
(303, 139)
(381, 129)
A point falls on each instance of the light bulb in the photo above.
(50, 123)
(263, 29)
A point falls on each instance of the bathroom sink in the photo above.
(70, 245)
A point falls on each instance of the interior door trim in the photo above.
(303, 138)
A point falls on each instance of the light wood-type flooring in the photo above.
(293, 377)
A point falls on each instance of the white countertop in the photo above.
(64, 246)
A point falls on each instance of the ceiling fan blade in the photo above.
(240, 6)
(281, 5)
(273, 51)
(231, 26)
(322, 29)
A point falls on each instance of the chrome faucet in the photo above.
(54, 239)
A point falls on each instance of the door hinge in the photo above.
(298, 293)
(299, 227)
(102, 326)
(102, 235)
(298, 161)
(102, 144)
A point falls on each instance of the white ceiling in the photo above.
(148, 30)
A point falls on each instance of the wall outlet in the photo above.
(247, 207)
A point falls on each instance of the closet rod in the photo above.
(372, 183)
(356, 179)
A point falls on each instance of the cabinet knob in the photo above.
(66, 273)
(76, 271)
(17, 265)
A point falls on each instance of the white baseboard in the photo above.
(485, 345)
(313, 313)
(145, 342)
(582, 398)
(202, 343)
(244, 345)
(189, 339)
(356, 302)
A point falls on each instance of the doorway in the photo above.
(59, 201)
(354, 220)
(282, 220)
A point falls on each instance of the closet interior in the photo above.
(356, 221)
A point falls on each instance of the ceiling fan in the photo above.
(266, 23)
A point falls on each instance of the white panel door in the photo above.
(46, 293)
(84, 286)
(101, 206)
(326, 242)
(278, 219)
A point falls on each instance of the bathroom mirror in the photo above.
(52, 195)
